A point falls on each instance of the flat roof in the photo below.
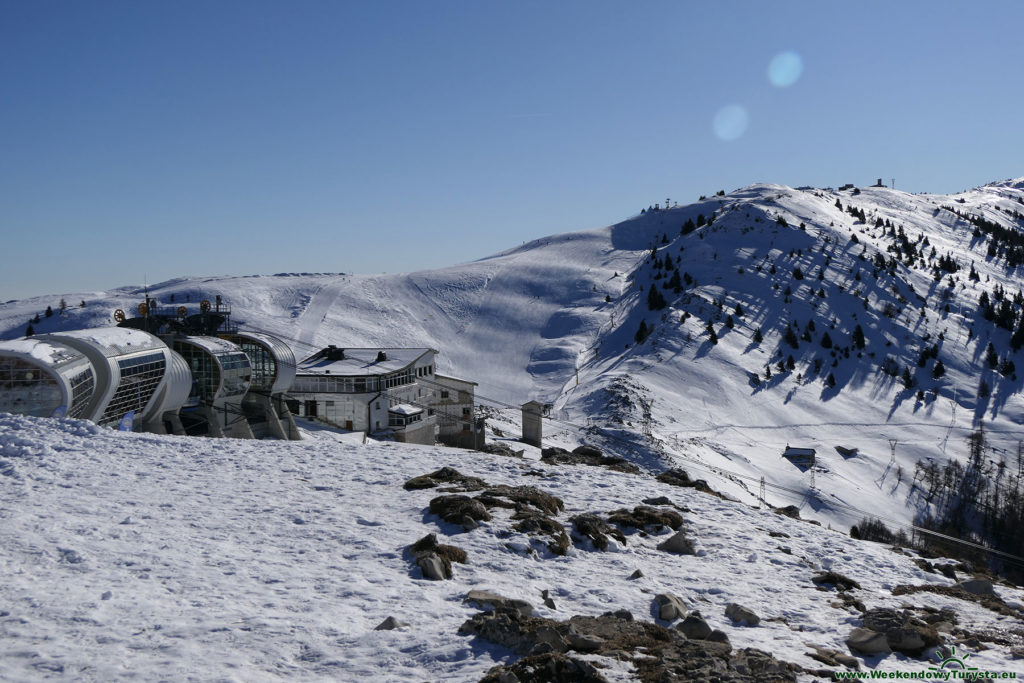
(439, 377)
(405, 409)
(362, 362)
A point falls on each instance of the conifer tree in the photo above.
(712, 335)
(642, 333)
(991, 357)
(858, 337)
(655, 301)
(790, 337)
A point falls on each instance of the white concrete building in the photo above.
(369, 390)
(455, 407)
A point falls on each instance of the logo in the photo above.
(952, 662)
(952, 667)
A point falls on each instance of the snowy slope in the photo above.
(137, 557)
(555, 320)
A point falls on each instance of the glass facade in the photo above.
(237, 373)
(26, 390)
(205, 373)
(330, 384)
(396, 420)
(264, 367)
(82, 386)
(140, 376)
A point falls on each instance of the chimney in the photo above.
(381, 356)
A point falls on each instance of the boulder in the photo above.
(678, 477)
(456, 508)
(902, 634)
(445, 475)
(549, 666)
(428, 553)
(694, 628)
(836, 579)
(647, 518)
(678, 543)
(432, 567)
(867, 642)
(909, 641)
(485, 599)
(537, 524)
(882, 619)
(717, 636)
(389, 624)
(669, 607)
(977, 586)
(583, 642)
(742, 615)
(596, 529)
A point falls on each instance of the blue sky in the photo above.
(146, 140)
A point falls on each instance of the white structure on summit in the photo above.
(44, 379)
(456, 402)
(132, 375)
(370, 390)
(273, 373)
(221, 375)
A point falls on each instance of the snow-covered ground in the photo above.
(138, 557)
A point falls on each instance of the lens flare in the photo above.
(785, 69)
(731, 122)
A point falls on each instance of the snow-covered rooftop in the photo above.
(362, 362)
(405, 409)
(114, 341)
(41, 351)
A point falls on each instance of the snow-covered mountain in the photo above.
(557, 320)
(130, 556)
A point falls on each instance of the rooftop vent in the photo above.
(334, 353)
(381, 356)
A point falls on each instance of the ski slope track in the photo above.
(555, 320)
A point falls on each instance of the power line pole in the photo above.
(761, 502)
(892, 451)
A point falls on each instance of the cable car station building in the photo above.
(369, 390)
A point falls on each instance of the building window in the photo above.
(466, 412)
(377, 405)
(444, 394)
